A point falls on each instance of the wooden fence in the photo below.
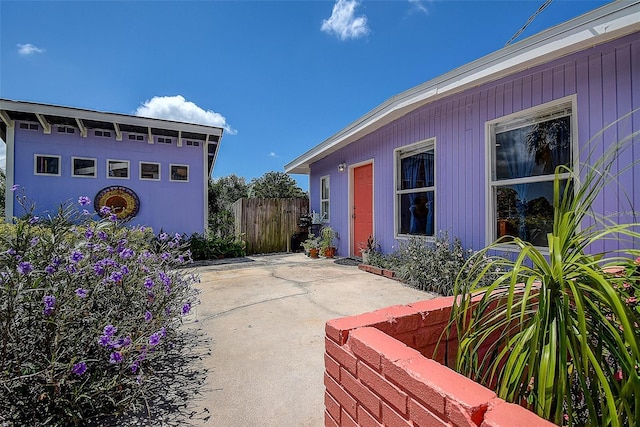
(267, 225)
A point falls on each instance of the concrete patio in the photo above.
(265, 318)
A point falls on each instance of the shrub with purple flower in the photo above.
(87, 281)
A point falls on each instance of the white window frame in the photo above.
(398, 154)
(150, 163)
(171, 173)
(520, 119)
(325, 215)
(118, 161)
(35, 164)
(73, 168)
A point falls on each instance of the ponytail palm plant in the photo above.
(555, 320)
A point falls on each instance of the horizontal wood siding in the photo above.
(606, 81)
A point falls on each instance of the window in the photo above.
(179, 172)
(117, 169)
(134, 137)
(415, 189)
(150, 171)
(66, 129)
(103, 133)
(82, 167)
(324, 198)
(193, 143)
(163, 140)
(46, 165)
(525, 150)
(29, 126)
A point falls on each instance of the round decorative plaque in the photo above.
(123, 201)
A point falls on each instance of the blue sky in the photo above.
(279, 76)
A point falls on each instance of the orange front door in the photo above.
(362, 213)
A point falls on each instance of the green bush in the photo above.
(89, 313)
(212, 247)
(431, 266)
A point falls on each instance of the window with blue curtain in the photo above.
(415, 189)
(526, 152)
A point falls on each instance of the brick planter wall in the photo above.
(379, 371)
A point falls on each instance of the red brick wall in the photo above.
(376, 374)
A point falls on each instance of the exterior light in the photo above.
(342, 166)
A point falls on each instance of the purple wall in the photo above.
(606, 81)
(172, 206)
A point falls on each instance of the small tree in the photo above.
(223, 192)
(275, 185)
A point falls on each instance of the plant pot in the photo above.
(313, 253)
(330, 252)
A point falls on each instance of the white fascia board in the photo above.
(77, 113)
(596, 27)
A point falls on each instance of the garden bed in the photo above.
(379, 369)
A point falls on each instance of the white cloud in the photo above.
(3, 155)
(179, 109)
(343, 21)
(28, 49)
(273, 154)
(418, 6)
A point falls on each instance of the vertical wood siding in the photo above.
(606, 81)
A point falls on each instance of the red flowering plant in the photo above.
(89, 315)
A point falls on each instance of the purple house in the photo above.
(473, 152)
(149, 171)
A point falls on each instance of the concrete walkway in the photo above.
(265, 318)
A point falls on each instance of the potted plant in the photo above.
(367, 248)
(312, 246)
(327, 240)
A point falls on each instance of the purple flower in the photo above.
(72, 269)
(163, 236)
(82, 293)
(105, 210)
(180, 259)
(113, 217)
(148, 283)
(33, 219)
(25, 267)
(88, 234)
(177, 236)
(154, 339)
(134, 367)
(186, 309)
(126, 253)
(14, 187)
(49, 269)
(165, 255)
(104, 341)
(11, 251)
(56, 261)
(76, 256)
(79, 368)
(102, 235)
(165, 279)
(110, 330)
(98, 269)
(116, 276)
(115, 357)
(84, 200)
(85, 212)
(34, 241)
(148, 316)
(125, 270)
(49, 304)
